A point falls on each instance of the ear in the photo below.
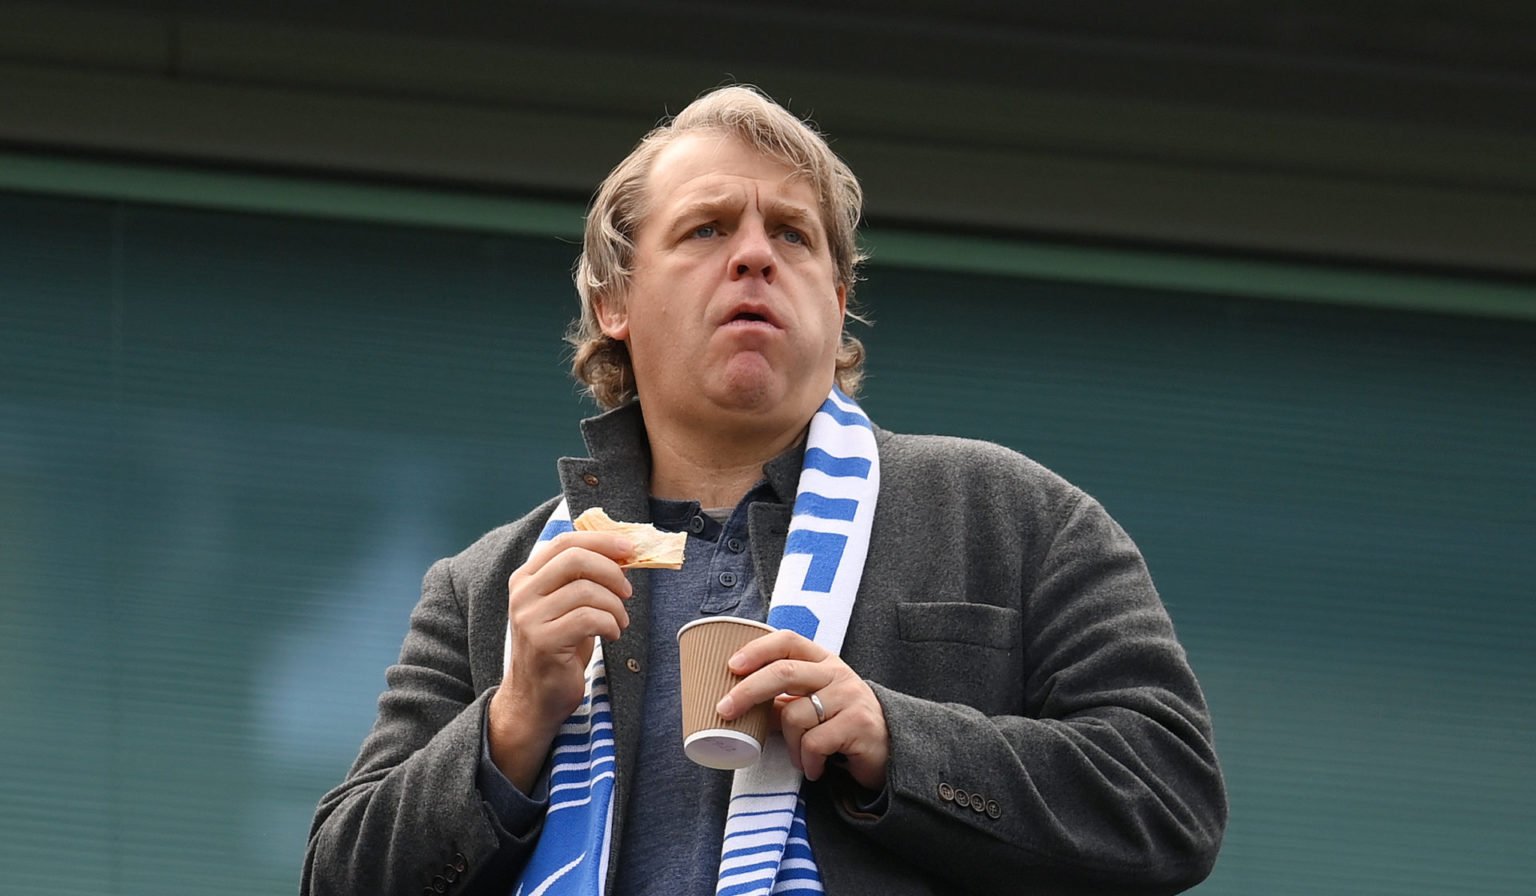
(612, 318)
(842, 301)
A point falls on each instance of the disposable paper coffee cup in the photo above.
(704, 646)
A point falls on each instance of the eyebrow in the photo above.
(705, 208)
(794, 213)
(780, 209)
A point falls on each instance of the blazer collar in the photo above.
(619, 448)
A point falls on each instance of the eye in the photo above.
(705, 231)
(794, 236)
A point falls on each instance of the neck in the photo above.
(713, 466)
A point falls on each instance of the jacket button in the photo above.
(978, 804)
(439, 885)
(946, 792)
(590, 479)
(962, 798)
(632, 664)
(993, 809)
(450, 873)
(460, 864)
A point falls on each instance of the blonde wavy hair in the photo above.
(621, 205)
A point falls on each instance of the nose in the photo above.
(752, 254)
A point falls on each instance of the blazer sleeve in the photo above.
(1101, 778)
(409, 817)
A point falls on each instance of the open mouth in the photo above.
(751, 314)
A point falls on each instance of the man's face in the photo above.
(733, 307)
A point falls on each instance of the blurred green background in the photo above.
(230, 445)
(282, 286)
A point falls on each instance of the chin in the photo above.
(755, 391)
(758, 389)
(748, 398)
(772, 407)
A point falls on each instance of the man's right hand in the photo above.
(569, 592)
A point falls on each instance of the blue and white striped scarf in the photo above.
(766, 849)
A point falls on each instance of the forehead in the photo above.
(697, 166)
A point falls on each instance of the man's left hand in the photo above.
(788, 668)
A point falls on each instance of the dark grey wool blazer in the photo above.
(1047, 734)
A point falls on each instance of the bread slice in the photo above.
(654, 549)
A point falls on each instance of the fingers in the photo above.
(780, 644)
(566, 607)
(810, 740)
(854, 735)
(577, 568)
(793, 725)
(781, 662)
(591, 555)
(568, 593)
(787, 668)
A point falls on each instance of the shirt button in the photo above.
(590, 480)
(696, 525)
(728, 579)
(632, 664)
(946, 792)
(735, 545)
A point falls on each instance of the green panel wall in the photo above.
(1339, 508)
(231, 444)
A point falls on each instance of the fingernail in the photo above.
(736, 661)
(724, 706)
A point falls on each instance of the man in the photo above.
(975, 684)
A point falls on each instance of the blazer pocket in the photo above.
(983, 625)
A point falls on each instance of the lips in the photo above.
(752, 313)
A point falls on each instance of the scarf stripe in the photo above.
(818, 577)
(766, 848)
